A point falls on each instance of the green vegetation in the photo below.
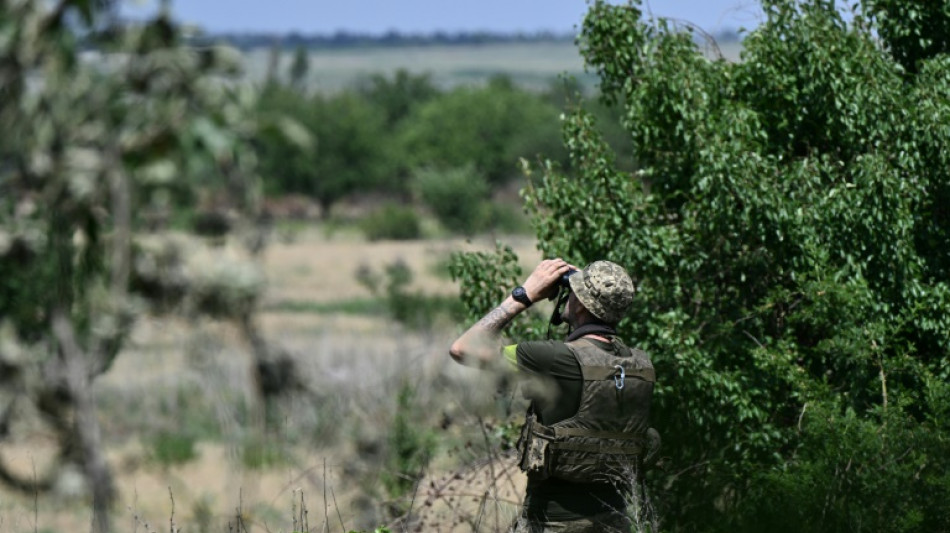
(172, 448)
(403, 140)
(412, 308)
(91, 157)
(785, 216)
(487, 127)
(408, 452)
(459, 197)
(788, 230)
(392, 221)
(362, 306)
(345, 152)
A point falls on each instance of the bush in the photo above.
(507, 218)
(458, 197)
(257, 453)
(409, 449)
(414, 309)
(392, 221)
(170, 448)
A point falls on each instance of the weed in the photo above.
(257, 454)
(171, 448)
(414, 309)
(409, 449)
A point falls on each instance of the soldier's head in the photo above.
(605, 291)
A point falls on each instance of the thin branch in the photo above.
(171, 519)
(36, 495)
(337, 507)
(415, 491)
(756, 341)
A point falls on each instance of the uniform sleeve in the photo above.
(535, 357)
(542, 358)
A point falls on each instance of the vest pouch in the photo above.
(534, 446)
(597, 460)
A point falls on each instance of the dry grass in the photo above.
(330, 436)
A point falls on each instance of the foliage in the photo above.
(398, 97)
(258, 453)
(412, 308)
(173, 448)
(913, 31)
(300, 67)
(409, 450)
(392, 221)
(90, 151)
(488, 127)
(568, 93)
(788, 231)
(458, 197)
(486, 278)
(348, 152)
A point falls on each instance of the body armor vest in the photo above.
(606, 439)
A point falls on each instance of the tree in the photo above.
(489, 127)
(88, 149)
(300, 68)
(459, 198)
(788, 231)
(397, 97)
(347, 152)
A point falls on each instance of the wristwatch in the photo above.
(520, 295)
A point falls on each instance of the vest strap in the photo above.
(583, 432)
(607, 373)
(596, 448)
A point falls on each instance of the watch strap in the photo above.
(521, 296)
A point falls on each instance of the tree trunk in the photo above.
(86, 430)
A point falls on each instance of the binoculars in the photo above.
(564, 281)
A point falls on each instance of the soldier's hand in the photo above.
(542, 283)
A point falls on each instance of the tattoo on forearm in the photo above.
(496, 319)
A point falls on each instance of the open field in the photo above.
(327, 452)
(533, 65)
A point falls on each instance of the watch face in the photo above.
(520, 295)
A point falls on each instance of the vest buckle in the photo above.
(618, 380)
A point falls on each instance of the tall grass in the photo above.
(179, 412)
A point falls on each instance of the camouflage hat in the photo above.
(605, 289)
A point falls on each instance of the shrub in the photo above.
(414, 309)
(409, 449)
(257, 453)
(173, 448)
(392, 221)
(458, 197)
(508, 218)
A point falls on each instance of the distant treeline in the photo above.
(347, 39)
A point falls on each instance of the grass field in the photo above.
(185, 445)
(533, 65)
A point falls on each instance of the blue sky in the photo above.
(426, 16)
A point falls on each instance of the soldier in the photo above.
(585, 431)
